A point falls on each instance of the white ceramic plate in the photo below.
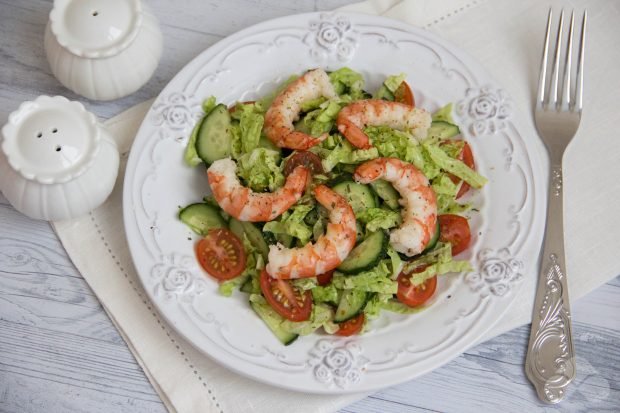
(507, 231)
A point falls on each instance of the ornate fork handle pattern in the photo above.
(550, 363)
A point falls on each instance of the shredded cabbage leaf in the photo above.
(260, 170)
(379, 218)
(292, 223)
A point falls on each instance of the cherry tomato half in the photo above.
(467, 157)
(351, 327)
(287, 300)
(455, 230)
(325, 278)
(303, 158)
(221, 254)
(403, 94)
(415, 295)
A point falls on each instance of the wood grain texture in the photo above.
(60, 353)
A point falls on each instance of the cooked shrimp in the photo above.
(417, 198)
(244, 204)
(372, 112)
(286, 107)
(327, 252)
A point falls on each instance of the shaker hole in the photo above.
(54, 130)
(58, 149)
(95, 13)
(39, 135)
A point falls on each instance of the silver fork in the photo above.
(550, 362)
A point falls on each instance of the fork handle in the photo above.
(550, 362)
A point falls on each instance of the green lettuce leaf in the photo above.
(394, 143)
(292, 223)
(454, 166)
(326, 294)
(440, 269)
(376, 279)
(251, 122)
(395, 261)
(347, 81)
(379, 218)
(374, 305)
(227, 287)
(344, 153)
(191, 156)
(260, 170)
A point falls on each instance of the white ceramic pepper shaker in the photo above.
(56, 161)
(102, 49)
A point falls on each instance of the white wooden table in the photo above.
(60, 353)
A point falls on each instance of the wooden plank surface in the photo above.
(60, 353)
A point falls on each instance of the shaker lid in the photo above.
(95, 28)
(51, 139)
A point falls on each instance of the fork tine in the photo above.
(566, 90)
(582, 49)
(556, 63)
(542, 82)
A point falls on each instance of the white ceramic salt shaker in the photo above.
(102, 49)
(56, 161)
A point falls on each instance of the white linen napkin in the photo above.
(189, 382)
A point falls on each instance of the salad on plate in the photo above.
(330, 204)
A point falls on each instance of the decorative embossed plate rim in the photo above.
(507, 231)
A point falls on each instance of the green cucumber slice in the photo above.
(434, 239)
(386, 191)
(351, 305)
(443, 130)
(214, 136)
(359, 196)
(201, 218)
(366, 255)
(273, 321)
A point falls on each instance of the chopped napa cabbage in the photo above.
(251, 121)
(444, 114)
(448, 205)
(440, 268)
(326, 294)
(453, 147)
(443, 185)
(313, 104)
(305, 284)
(347, 81)
(379, 218)
(227, 287)
(394, 143)
(345, 154)
(395, 261)
(322, 316)
(260, 170)
(438, 261)
(292, 223)
(454, 166)
(191, 156)
(376, 279)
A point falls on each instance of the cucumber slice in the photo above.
(273, 321)
(214, 136)
(285, 239)
(351, 305)
(201, 218)
(443, 130)
(255, 236)
(431, 244)
(386, 191)
(359, 196)
(366, 255)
